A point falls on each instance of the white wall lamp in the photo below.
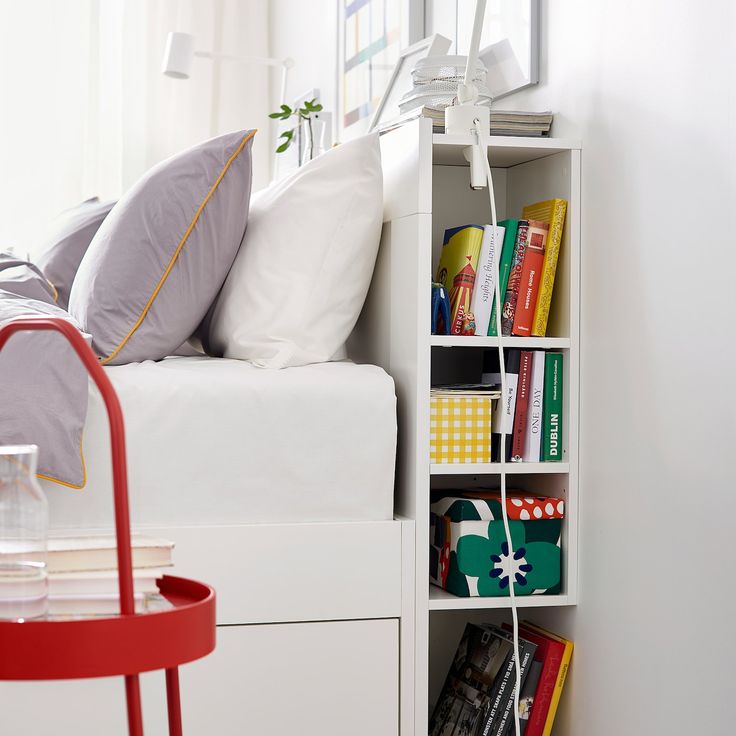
(179, 56)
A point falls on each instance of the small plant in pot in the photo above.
(303, 117)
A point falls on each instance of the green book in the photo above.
(507, 255)
(552, 408)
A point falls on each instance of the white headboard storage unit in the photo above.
(426, 190)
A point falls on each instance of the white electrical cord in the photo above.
(483, 150)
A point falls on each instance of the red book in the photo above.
(531, 273)
(549, 653)
(521, 412)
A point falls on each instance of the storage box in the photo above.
(460, 428)
(469, 554)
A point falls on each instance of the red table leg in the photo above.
(133, 698)
(173, 701)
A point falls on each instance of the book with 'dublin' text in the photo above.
(552, 409)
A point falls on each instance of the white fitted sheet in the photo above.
(217, 441)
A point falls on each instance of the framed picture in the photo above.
(371, 34)
(509, 42)
(401, 82)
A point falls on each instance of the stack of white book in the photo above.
(83, 577)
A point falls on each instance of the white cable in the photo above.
(483, 149)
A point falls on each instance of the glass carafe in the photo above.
(23, 535)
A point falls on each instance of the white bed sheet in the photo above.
(217, 441)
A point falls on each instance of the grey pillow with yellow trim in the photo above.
(162, 254)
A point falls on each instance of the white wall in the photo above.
(649, 87)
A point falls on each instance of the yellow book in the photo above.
(561, 675)
(552, 211)
(456, 272)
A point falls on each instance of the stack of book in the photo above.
(83, 577)
(503, 122)
(530, 415)
(478, 694)
(526, 250)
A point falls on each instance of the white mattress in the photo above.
(217, 441)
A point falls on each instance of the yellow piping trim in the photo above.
(63, 482)
(178, 249)
(56, 293)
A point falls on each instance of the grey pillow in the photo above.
(43, 391)
(24, 279)
(162, 254)
(72, 233)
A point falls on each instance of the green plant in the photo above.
(300, 113)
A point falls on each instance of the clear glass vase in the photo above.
(23, 536)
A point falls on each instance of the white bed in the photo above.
(215, 441)
(277, 489)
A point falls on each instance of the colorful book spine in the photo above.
(552, 212)
(514, 282)
(456, 270)
(531, 272)
(559, 682)
(552, 409)
(485, 278)
(521, 417)
(507, 255)
(533, 439)
(549, 653)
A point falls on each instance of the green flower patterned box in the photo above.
(469, 554)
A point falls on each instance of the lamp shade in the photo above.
(178, 55)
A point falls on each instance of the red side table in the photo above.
(129, 643)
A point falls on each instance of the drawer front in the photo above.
(313, 679)
(274, 573)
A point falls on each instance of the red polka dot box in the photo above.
(470, 555)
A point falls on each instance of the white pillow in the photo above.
(303, 270)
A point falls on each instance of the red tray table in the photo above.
(129, 643)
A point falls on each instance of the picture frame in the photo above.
(509, 42)
(370, 36)
(400, 82)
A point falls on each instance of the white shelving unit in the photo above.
(426, 190)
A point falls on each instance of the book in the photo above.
(78, 554)
(531, 271)
(101, 582)
(551, 211)
(505, 408)
(457, 270)
(514, 281)
(521, 417)
(485, 278)
(503, 122)
(526, 699)
(561, 676)
(479, 658)
(507, 254)
(549, 656)
(526, 657)
(552, 409)
(533, 438)
(503, 691)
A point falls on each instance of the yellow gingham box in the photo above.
(460, 429)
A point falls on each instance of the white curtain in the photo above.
(84, 109)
